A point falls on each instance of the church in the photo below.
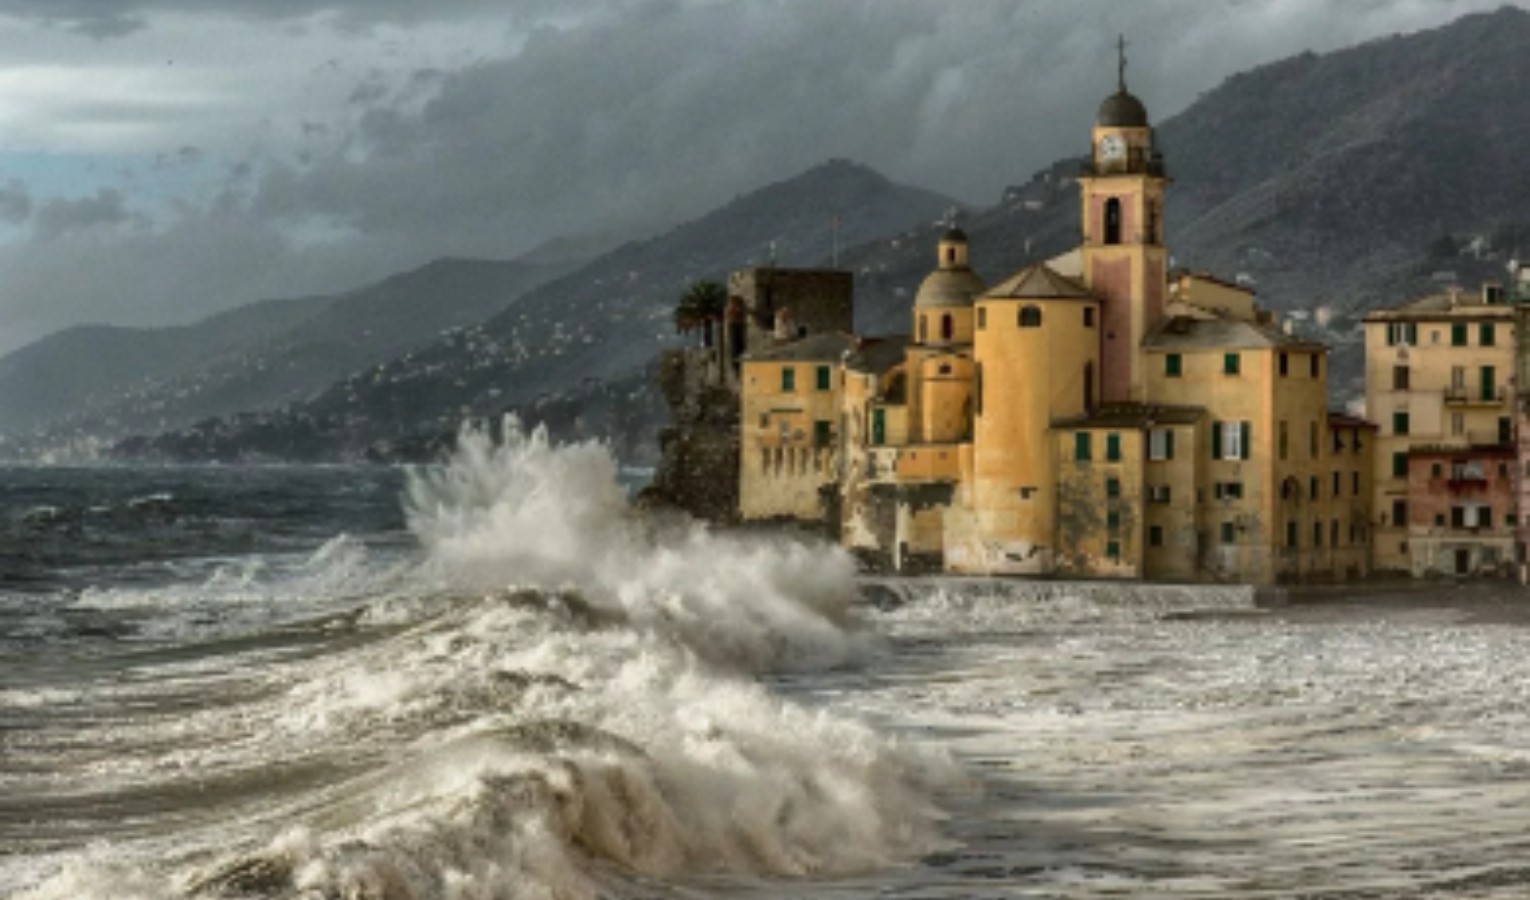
(1093, 415)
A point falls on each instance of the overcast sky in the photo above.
(164, 159)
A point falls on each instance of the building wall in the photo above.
(1099, 529)
(819, 300)
(1169, 494)
(1442, 481)
(1439, 412)
(1215, 296)
(1027, 377)
(790, 439)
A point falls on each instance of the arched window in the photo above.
(945, 327)
(924, 329)
(951, 255)
(1113, 221)
(1030, 317)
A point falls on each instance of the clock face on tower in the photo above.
(1112, 148)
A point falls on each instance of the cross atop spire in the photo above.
(1121, 74)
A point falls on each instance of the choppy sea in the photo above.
(490, 679)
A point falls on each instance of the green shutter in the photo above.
(879, 426)
(1112, 487)
(1411, 330)
(1172, 365)
(1489, 378)
(1113, 448)
(788, 379)
(1399, 465)
(823, 378)
(1168, 444)
(1485, 334)
(1230, 364)
(1216, 440)
(1246, 434)
(1458, 334)
(1081, 446)
(1113, 520)
(1400, 423)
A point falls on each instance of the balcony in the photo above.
(1463, 396)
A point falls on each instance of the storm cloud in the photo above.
(336, 142)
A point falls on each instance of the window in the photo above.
(1291, 534)
(1317, 534)
(1113, 520)
(982, 317)
(1458, 334)
(1439, 519)
(1505, 430)
(1160, 444)
(1400, 513)
(879, 426)
(1112, 487)
(1489, 377)
(788, 380)
(1228, 490)
(946, 327)
(1399, 423)
(1030, 317)
(1173, 365)
(823, 378)
(1399, 378)
(1485, 334)
(1402, 333)
(1158, 493)
(1315, 365)
(1230, 440)
(1333, 533)
(1458, 377)
(1155, 536)
(1285, 365)
(1457, 424)
(1229, 533)
(1399, 465)
(1434, 470)
(1113, 550)
(1088, 317)
(1112, 448)
(1283, 441)
(1314, 487)
(1231, 363)
(820, 434)
(1112, 221)
(1081, 448)
(1503, 470)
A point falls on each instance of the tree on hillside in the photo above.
(701, 306)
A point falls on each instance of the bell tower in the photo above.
(1124, 261)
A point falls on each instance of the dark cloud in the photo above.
(615, 116)
(57, 218)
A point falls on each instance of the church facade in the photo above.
(1093, 415)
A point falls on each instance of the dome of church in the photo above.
(948, 288)
(1122, 110)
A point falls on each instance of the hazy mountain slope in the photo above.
(602, 324)
(259, 356)
(75, 369)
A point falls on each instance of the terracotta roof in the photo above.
(825, 347)
(1183, 332)
(1134, 415)
(1038, 282)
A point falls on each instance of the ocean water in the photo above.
(489, 679)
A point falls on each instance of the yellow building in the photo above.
(1438, 381)
(1093, 415)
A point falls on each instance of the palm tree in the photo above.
(702, 305)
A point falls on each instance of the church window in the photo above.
(823, 378)
(951, 255)
(946, 328)
(1030, 317)
(1113, 221)
(1173, 365)
(788, 380)
(1088, 317)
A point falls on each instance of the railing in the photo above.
(1463, 396)
(1487, 437)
